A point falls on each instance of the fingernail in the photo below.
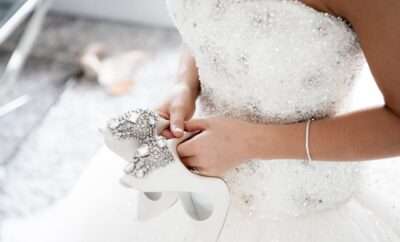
(174, 126)
(178, 130)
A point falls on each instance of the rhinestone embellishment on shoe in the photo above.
(139, 124)
(153, 152)
(151, 155)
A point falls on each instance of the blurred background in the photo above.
(85, 60)
(65, 65)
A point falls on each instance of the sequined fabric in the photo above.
(273, 61)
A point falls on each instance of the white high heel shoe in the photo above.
(125, 144)
(156, 168)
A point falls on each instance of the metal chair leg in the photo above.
(20, 54)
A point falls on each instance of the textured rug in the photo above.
(45, 145)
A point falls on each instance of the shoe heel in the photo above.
(151, 205)
(175, 177)
(208, 223)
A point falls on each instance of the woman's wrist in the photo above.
(279, 141)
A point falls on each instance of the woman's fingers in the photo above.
(167, 134)
(163, 114)
(196, 125)
(178, 125)
(161, 111)
(186, 149)
(177, 117)
(191, 162)
(199, 170)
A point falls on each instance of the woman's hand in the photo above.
(178, 107)
(221, 144)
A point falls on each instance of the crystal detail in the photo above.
(152, 155)
(133, 117)
(113, 124)
(153, 152)
(139, 124)
(152, 121)
(161, 142)
(143, 151)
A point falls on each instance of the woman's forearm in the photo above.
(362, 135)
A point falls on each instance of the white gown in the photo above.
(267, 61)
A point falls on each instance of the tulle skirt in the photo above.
(99, 209)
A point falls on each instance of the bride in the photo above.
(263, 82)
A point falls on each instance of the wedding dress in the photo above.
(265, 61)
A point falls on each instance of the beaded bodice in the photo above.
(274, 61)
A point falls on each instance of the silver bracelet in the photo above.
(307, 141)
